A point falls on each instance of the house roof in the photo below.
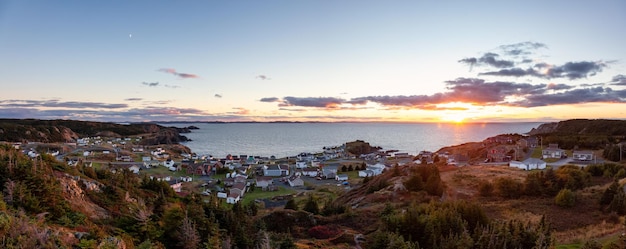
(553, 149)
(263, 178)
(240, 186)
(533, 161)
(587, 152)
(273, 167)
(342, 176)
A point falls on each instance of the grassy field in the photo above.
(260, 194)
(160, 170)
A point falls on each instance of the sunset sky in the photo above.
(392, 61)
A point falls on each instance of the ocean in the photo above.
(290, 139)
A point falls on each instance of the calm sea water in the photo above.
(290, 139)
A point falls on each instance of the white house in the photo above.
(553, 151)
(312, 172)
(301, 164)
(329, 172)
(263, 181)
(295, 181)
(233, 198)
(341, 177)
(135, 169)
(168, 163)
(528, 164)
(271, 170)
(366, 173)
(583, 155)
(376, 168)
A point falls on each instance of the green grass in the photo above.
(161, 170)
(569, 246)
(260, 194)
(536, 153)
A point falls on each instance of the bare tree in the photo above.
(188, 237)
(9, 187)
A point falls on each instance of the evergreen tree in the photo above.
(609, 193)
(291, 204)
(414, 183)
(311, 206)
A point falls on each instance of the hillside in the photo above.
(50, 131)
(583, 127)
(582, 133)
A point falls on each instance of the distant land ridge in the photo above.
(582, 127)
(49, 131)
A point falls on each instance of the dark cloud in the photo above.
(151, 84)
(477, 92)
(263, 77)
(270, 99)
(133, 99)
(569, 70)
(217, 95)
(322, 102)
(181, 75)
(489, 59)
(619, 80)
(575, 96)
(513, 72)
(573, 70)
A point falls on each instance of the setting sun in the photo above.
(454, 118)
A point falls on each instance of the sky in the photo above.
(326, 61)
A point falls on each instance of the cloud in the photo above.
(150, 84)
(181, 75)
(263, 77)
(475, 91)
(217, 95)
(172, 86)
(619, 80)
(522, 48)
(575, 96)
(62, 104)
(321, 102)
(240, 111)
(270, 99)
(133, 99)
(488, 59)
(569, 70)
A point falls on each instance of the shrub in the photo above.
(291, 204)
(323, 232)
(485, 188)
(565, 198)
(508, 187)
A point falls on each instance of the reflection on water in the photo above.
(289, 139)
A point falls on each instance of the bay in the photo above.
(290, 139)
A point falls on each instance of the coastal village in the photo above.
(135, 189)
(232, 177)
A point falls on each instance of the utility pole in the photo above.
(620, 152)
